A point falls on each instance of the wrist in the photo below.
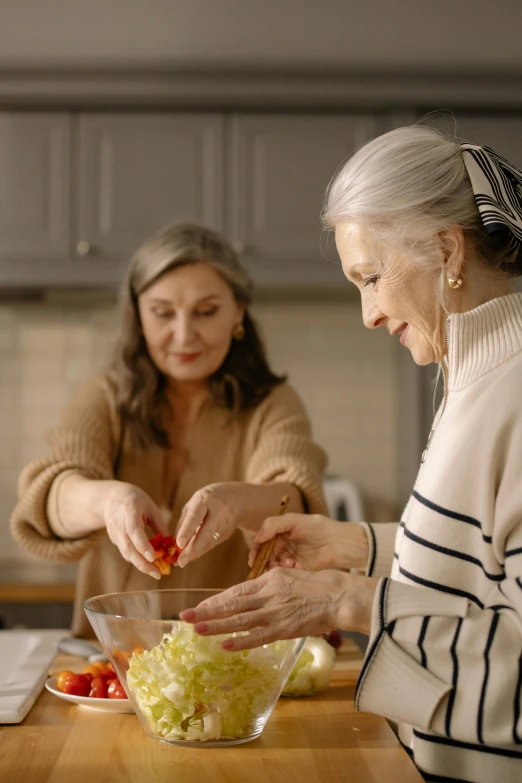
(354, 603)
(352, 549)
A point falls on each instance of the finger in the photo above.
(193, 517)
(227, 603)
(273, 526)
(138, 539)
(130, 554)
(246, 621)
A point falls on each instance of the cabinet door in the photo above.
(139, 172)
(280, 167)
(34, 190)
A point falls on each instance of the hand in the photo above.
(214, 509)
(286, 604)
(125, 511)
(312, 542)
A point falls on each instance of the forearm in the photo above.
(74, 505)
(263, 500)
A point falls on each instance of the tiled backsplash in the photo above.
(346, 375)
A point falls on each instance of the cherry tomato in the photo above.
(94, 671)
(77, 685)
(156, 541)
(61, 678)
(98, 688)
(115, 690)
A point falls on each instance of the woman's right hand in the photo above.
(312, 542)
(125, 510)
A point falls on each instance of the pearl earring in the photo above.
(455, 282)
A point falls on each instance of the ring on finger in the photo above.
(216, 535)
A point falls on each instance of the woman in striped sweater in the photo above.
(430, 232)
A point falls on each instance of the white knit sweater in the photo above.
(445, 652)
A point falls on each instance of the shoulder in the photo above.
(283, 398)
(96, 394)
(281, 407)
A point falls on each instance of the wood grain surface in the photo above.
(315, 740)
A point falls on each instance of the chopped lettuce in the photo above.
(312, 671)
(189, 688)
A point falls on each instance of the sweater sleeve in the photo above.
(85, 442)
(381, 547)
(445, 664)
(282, 449)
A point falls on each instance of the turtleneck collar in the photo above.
(482, 339)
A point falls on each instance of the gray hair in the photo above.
(408, 186)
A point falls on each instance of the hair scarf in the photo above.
(497, 187)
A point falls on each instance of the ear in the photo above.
(452, 248)
(241, 307)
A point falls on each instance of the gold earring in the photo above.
(455, 282)
(238, 332)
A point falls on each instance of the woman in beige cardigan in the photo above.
(188, 427)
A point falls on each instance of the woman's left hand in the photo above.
(286, 604)
(209, 518)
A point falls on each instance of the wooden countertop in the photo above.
(316, 740)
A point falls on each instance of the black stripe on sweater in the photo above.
(452, 553)
(371, 564)
(480, 720)
(442, 588)
(452, 514)
(516, 735)
(376, 642)
(510, 754)
(453, 693)
(422, 635)
(513, 552)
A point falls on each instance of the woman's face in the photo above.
(187, 317)
(395, 294)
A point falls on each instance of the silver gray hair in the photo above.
(408, 186)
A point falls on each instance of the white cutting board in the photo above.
(25, 657)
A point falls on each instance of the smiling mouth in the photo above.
(186, 357)
(401, 330)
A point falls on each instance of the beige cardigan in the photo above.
(269, 443)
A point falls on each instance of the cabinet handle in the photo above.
(83, 248)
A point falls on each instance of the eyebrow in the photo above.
(156, 300)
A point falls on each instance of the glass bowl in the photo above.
(185, 689)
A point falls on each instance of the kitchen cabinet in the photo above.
(138, 172)
(279, 169)
(82, 191)
(35, 188)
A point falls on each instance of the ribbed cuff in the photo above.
(381, 547)
(392, 683)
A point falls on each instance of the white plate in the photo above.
(100, 705)
(25, 657)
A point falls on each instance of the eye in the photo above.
(163, 314)
(372, 280)
(208, 313)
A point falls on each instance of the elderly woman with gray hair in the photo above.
(430, 232)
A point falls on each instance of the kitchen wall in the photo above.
(346, 375)
(334, 33)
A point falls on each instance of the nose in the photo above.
(182, 330)
(372, 316)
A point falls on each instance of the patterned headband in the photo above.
(497, 186)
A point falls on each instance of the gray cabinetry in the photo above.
(35, 189)
(279, 168)
(138, 172)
